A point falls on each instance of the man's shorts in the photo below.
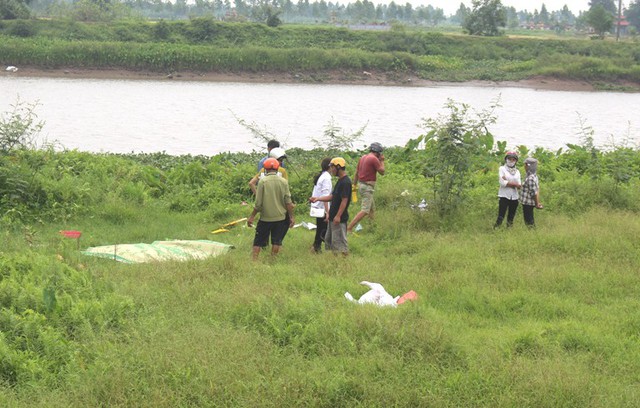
(336, 237)
(276, 229)
(366, 196)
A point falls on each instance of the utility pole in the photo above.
(619, 20)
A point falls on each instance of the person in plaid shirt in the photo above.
(530, 195)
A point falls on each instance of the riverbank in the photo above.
(327, 77)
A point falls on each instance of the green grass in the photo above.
(505, 318)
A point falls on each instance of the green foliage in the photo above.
(22, 28)
(203, 29)
(48, 312)
(19, 128)
(600, 20)
(161, 31)
(95, 10)
(13, 9)
(486, 18)
(453, 147)
(335, 140)
(273, 19)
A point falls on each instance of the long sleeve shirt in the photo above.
(505, 177)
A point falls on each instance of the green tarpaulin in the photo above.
(159, 251)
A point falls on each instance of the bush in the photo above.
(161, 31)
(22, 28)
(13, 9)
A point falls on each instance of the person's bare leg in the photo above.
(356, 219)
(256, 252)
(275, 249)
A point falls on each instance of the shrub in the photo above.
(13, 9)
(161, 30)
(22, 28)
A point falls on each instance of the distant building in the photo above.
(623, 24)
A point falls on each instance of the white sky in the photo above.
(450, 6)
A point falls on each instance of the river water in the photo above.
(124, 116)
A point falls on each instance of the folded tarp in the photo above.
(159, 251)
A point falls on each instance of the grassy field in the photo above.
(505, 318)
(534, 318)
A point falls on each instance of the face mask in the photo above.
(511, 163)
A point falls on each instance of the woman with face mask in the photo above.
(509, 178)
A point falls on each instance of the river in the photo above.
(124, 116)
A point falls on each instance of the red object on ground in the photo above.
(71, 234)
(411, 295)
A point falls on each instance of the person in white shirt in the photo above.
(320, 209)
(510, 182)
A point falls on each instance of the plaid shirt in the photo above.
(529, 189)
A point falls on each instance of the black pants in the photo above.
(505, 204)
(527, 210)
(321, 230)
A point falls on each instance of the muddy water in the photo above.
(201, 117)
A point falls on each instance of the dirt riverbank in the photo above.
(334, 77)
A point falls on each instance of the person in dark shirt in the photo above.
(340, 198)
(272, 144)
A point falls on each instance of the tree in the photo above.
(566, 16)
(633, 14)
(461, 14)
(13, 9)
(600, 20)
(486, 18)
(608, 5)
(437, 16)
(544, 15)
(512, 17)
(272, 19)
(453, 144)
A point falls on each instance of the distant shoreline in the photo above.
(324, 78)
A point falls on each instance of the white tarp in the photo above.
(159, 251)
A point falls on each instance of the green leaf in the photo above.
(49, 298)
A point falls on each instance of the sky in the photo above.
(450, 6)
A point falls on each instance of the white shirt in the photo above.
(322, 188)
(510, 193)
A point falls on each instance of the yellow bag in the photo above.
(354, 196)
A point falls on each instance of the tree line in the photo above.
(486, 17)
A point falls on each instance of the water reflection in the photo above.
(198, 117)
